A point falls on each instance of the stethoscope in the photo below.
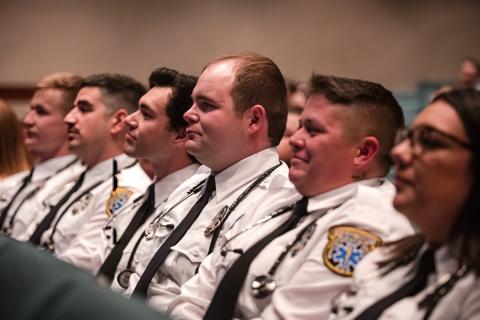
(49, 245)
(264, 285)
(123, 277)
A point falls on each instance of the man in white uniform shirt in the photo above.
(233, 126)
(96, 133)
(156, 133)
(290, 265)
(46, 140)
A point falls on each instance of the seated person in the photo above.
(435, 274)
(288, 265)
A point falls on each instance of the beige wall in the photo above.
(398, 43)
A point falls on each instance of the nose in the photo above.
(296, 141)
(28, 121)
(131, 120)
(402, 154)
(191, 115)
(70, 117)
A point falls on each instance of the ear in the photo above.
(366, 153)
(257, 118)
(179, 136)
(117, 119)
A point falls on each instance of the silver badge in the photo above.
(216, 221)
(150, 231)
(303, 240)
(81, 204)
(263, 286)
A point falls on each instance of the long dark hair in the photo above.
(464, 239)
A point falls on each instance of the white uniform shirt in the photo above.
(305, 284)
(371, 285)
(91, 198)
(50, 176)
(90, 248)
(182, 262)
(9, 183)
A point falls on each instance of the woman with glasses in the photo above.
(435, 274)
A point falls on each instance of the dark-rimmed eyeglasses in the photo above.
(426, 138)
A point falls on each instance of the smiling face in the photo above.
(88, 125)
(322, 152)
(46, 133)
(149, 134)
(433, 185)
(217, 135)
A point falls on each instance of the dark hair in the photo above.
(465, 234)
(473, 61)
(181, 99)
(375, 110)
(258, 80)
(118, 91)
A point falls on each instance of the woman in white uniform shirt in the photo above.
(438, 185)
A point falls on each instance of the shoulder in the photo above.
(370, 209)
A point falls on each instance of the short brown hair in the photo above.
(118, 90)
(375, 110)
(69, 83)
(258, 80)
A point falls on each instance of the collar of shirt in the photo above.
(339, 195)
(165, 186)
(44, 169)
(103, 170)
(243, 172)
(445, 263)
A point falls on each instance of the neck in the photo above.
(60, 152)
(249, 150)
(108, 152)
(175, 163)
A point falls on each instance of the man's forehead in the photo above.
(157, 95)
(48, 97)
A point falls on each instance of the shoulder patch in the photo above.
(346, 247)
(117, 200)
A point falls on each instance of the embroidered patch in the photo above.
(346, 247)
(117, 200)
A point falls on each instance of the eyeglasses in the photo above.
(425, 138)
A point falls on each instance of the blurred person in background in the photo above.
(14, 156)
(469, 73)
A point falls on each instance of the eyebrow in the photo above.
(83, 103)
(144, 106)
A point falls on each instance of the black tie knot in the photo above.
(301, 208)
(210, 187)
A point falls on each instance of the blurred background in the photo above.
(411, 47)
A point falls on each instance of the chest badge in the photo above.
(117, 200)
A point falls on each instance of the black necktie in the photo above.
(25, 182)
(425, 266)
(225, 298)
(173, 239)
(110, 264)
(48, 219)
